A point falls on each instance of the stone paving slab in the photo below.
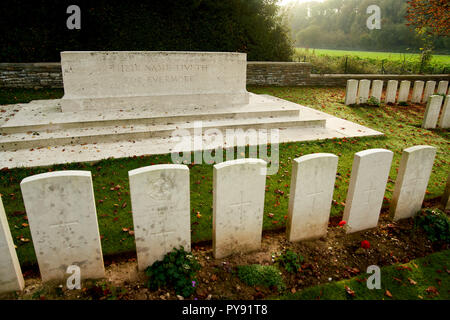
(335, 128)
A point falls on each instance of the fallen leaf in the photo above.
(388, 293)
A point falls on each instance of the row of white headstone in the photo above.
(358, 92)
(433, 110)
(63, 221)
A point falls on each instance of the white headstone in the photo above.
(160, 203)
(377, 89)
(412, 181)
(238, 206)
(442, 87)
(351, 92)
(391, 91)
(312, 187)
(363, 91)
(417, 92)
(432, 111)
(429, 90)
(366, 190)
(446, 196)
(61, 212)
(444, 121)
(104, 80)
(403, 93)
(11, 278)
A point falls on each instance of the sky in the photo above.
(285, 2)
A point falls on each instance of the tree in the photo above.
(433, 16)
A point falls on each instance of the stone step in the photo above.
(77, 136)
(46, 115)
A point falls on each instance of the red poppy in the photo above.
(365, 244)
(342, 223)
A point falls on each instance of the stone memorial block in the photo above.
(63, 221)
(104, 80)
(446, 196)
(442, 87)
(238, 206)
(160, 203)
(429, 90)
(403, 93)
(412, 181)
(370, 172)
(391, 91)
(312, 187)
(432, 111)
(444, 121)
(351, 92)
(363, 91)
(417, 91)
(11, 278)
(377, 89)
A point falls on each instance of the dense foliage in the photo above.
(36, 30)
(258, 275)
(431, 14)
(435, 224)
(177, 270)
(341, 24)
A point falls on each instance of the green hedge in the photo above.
(36, 31)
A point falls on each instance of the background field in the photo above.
(370, 62)
(376, 55)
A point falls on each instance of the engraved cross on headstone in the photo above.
(240, 206)
(314, 195)
(368, 192)
(67, 227)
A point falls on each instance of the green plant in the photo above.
(372, 101)
(435, 224)
(290, 261)
(178, 270)
(255, 274)
(403, 103)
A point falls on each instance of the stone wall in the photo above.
(278, 73)
(48, 75)
(31, 75)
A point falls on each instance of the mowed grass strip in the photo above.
(421, 279)
(401, 126)
(441, 58)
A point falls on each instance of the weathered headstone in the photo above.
(403, 93)
(363, 91)
(366, 190)
(432, 111)
(351, 92)
(61, 211)
(11, 278)
(391, 91)
(412, 181)
(442, 87)
(446, 196)
(104, 80)
(312, 186)
(417, 91)
(444, 121)
(160, 203)
(429, 90)
(377, 89)
(238, 206)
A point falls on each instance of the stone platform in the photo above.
(39, 134)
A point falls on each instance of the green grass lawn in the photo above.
(377, 55)
(110, 177)
(421, 279)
